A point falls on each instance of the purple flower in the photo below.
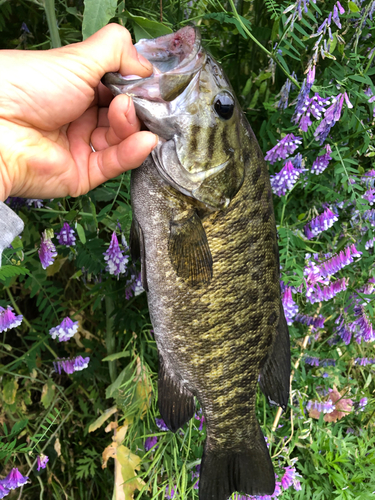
(314, 106)
(200, 416)
(8, 319)
(116, 261)
(37, 202)
(71, 365)
(361, 327)
(339, 261)
(161, 424)
(150, 442)
(368, 178)
(285, 179)
(369, 216)
(311, 361)
(328, 362)
(328, 292)
(66, 236)
(134, 286)
(14, 479)
(341, 8)
(65, 330)
(362, 404)
(170, 493)
(284, 95)
(195, 475)
(290, 478)
(42, 462)
(344, 333)
(4, 491)
(331, 116)
(325, 407)
(321, 163)
(370, 196)
(317, 322)
(364, 361)
(47, 251)
(290, 307)
(321, 223)
(284, 148)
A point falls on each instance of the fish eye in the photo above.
(224, 105)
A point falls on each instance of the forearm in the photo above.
(10, 226)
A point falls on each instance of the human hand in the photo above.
(52, 105)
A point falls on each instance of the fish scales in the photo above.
(212, 274)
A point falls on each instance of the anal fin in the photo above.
(137, 249)
(275, 375)
(176, 404)
(189, 250)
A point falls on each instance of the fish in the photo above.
(204, 230)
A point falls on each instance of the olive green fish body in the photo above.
(204, 229)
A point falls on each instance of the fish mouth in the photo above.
(175, 58)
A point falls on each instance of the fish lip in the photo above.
(190, 63)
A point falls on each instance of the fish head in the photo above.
(189, 102)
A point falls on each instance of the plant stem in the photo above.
(272, 56)
(16, 308)
(110, 339)
(49, 7)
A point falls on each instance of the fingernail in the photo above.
(145, 63)
(156, 142)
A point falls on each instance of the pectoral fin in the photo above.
(137, 249)
(189, 251)
(176, 404)
(275, 375)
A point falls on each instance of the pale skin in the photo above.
(52, 106)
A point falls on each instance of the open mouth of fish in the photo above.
(177, 59)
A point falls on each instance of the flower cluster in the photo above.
(134, 286)
(364, 361)
(284, 148)
(331, 116)
(290, 307)
(71, 365)
(284, 180)
(370, 196)
(311, 106)
(8, 319)
(315, 322)
(13, 480)
(361, 327)
(321, 223)
(116, 260)
(320, 406)
(65, 330)
(321, 163)
(340, 260)
(66, 236)
(47, 250)
(323, 294)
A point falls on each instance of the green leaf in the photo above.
(10, 271)
(10, 391)
(48, 393)
(17, 243)
(114, 387)
(97, 13)
(145, 28)
(117, 355)
(353, 7)
(100, 421)
(81, 233)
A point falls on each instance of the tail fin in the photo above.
(248, 471)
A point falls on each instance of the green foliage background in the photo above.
(43, 411)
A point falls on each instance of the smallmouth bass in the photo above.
(204, 229)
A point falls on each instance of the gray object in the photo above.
(10, 226)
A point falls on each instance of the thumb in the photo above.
(111, 49)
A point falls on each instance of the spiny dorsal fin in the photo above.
(189, 251)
